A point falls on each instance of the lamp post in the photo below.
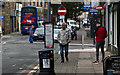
(48, 10)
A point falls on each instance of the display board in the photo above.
(49, 43)
(111, 64)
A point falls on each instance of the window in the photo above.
(30, 2)
(33, 3)
(115, 28)
(45, 4)
(37, 2)
(110, 28)
(41, 3)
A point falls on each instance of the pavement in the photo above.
(80, 60)
(80, 63)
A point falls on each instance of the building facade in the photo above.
(113, 27)
(12, 14)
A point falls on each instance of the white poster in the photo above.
(20, 6)
(49, 35)
(46, 63)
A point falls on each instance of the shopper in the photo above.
(31, 34)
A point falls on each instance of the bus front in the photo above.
(28, 18)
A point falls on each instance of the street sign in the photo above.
(62, 17)
(99, 8)
(93, 11)
(86, 7)
(55, 1)
(62, 10)
(1, 17)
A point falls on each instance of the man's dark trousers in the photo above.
(66, 52)
(98, 45)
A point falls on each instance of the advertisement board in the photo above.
(49, 43)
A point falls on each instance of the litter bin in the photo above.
(46, 62)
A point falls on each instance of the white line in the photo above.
(61, 10)
(82, 50)
(4, 43)
(81, 44)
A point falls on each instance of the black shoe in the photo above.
(67, 59)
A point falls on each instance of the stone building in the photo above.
(12, 14)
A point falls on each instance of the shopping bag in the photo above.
(31, 39)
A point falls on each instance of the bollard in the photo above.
(82, 41)
(82, 38)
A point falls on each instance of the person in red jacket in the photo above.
(100, 34)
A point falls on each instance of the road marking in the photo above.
(82, 50)
(21, 68)
(22, 43)
(81, 44)
(33, 71)
(4, 43)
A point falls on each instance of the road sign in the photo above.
(62, 17)
(99, 8)
(1, 17)
(86, 7)
(62, 10)
(93, 11)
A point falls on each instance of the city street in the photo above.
(20, 56)
(85, 32)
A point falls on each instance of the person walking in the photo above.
(74, 33)
(31, 34)
(64, 37)
(100, 34)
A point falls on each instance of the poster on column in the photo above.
(49, 43)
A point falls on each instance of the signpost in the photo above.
(62, 10)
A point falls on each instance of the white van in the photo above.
(72, 23)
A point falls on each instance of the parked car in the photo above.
(56, 34)
(39, 34)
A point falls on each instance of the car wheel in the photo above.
(34, 39)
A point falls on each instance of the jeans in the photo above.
(100, 44)
(61, 52)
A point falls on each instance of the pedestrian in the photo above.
(0, 33)
(64, 37)
(31, 34)
(74, 33)
(100, 34)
